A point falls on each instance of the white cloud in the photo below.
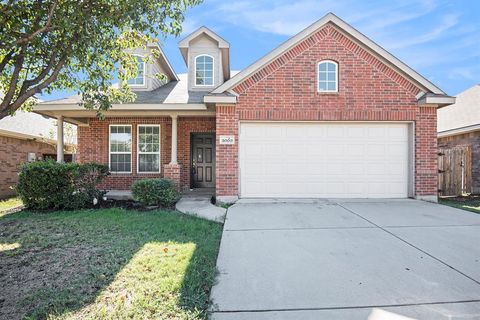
(447, 23)
(284, 17)
(189, 25)
(277, 17)
(468, 73)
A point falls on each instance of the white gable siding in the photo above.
(152, 67)
(203, 44)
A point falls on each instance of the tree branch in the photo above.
(32, 91)
(45, 28)
(18, 64)
(28, 83)
(5, 60)
(6, 6)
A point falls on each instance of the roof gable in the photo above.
(222, 43)
(380, 53)
(224, 47)
(164, 62)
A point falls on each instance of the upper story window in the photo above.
(139, 80)
(204, 70)
(327, 76)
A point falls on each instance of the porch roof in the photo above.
(76, 114)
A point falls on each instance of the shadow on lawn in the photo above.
(108, 262)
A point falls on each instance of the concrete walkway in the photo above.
(119, 195)
(348, 259)
(198, 203)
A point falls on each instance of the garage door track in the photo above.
(347, 259)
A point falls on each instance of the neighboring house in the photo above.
(328, 113)
(459, 126)
(27, 136)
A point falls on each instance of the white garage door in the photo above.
(342, 160)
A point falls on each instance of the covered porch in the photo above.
(182, 148)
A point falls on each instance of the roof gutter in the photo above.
(24, 136)
(124, 107)
(456, 131)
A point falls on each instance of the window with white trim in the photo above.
(139, 80)
(120, 148)
(204, 70)
(328, 76)
(148, 149)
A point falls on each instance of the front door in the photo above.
(203, 160)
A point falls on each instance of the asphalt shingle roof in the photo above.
(463, 113)
(31, 124)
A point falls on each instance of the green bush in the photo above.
(152, 192)
(50, 185)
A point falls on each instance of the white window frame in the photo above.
(110, 152)
(144, 84)
(159, 149)
(318, 76)
(213, 71)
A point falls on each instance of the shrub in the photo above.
(153, 192)
(51, 185)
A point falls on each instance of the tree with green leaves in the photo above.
(78, 45)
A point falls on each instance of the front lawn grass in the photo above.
(110, 263)
(8, 204)
(469, 203)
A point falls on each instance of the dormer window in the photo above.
(204, 70)
(139, 80)
(327, 76)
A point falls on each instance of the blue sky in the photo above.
(439, 39)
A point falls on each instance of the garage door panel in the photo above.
(295, 132)
(315, 132)
(364, 160)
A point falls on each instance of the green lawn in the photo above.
(106, 264)
(470, 203)
(8, 204)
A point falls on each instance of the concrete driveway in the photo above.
(348, 259)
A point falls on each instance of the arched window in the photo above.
(139, 80)
(204, 70)
(327, 76)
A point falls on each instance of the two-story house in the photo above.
(328, 113)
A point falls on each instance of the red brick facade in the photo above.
(13, 152)
(93, 146)
(286, 90)
(226, 170)
(369, 90)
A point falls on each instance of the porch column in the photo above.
(172, 170)
(60, 139)
(174, 139)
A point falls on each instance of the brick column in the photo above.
(226, 155)
(426, 157)
(172, 171)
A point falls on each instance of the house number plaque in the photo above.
(227, 139)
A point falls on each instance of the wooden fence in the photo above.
(455, 171)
